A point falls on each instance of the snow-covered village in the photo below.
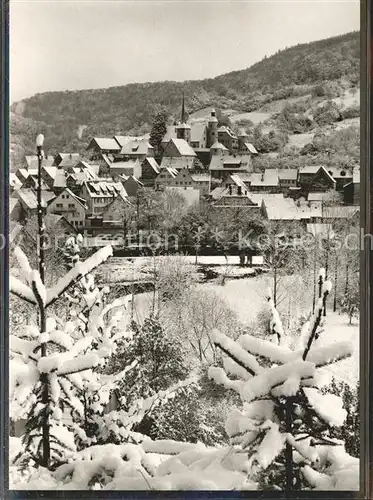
(184, 254)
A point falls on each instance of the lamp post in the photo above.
(39, 150)
(43, 376)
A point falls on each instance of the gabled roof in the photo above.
(81, 201)
(228, 131)
(219, 145)
(288, 174)
(68, 159)
(105, 143)
(183, 147)
(152, 162)
(50, 222)
(310, 169)
(133, 178)
(29, 199)
(101, 188)
(85, 174)
(238, 181)
(197, 132)
(51, 171)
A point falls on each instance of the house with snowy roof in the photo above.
(103, 145)
(99, 193)
(122, 140)
(178, 154)
(288, 178)
(265, 181)
(125, 168)
(222, 165)
(198, 135)
(228, 138)
(66, 160)
(23, 173)
(315, 178)
(189, 179)
(165, 177)
(245, 146)
(149, 171)
(71, 206)
(28, 200)
(234, 196)
(135, 149)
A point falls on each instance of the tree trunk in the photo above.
(335, 283)
(44, 376)
(289, 449)
(275, 286)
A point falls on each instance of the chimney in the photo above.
(262, 177)
(70, 156)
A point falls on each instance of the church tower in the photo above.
(183, 128)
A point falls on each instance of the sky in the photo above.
(66, 45)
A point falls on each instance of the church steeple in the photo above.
(183, 120)
(183, 128)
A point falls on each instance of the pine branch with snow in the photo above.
(286, 423)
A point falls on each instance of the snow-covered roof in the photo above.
(288, 174)
(200, 177)
(152, 162)
(51, 171)
(340, 212)
(68, 159)
(310, 169)
(251, 148)
(105, 143)
(270, 177)
(227, 162)
(183, 147)
(29, 199)
(219, 145)
(101, 188)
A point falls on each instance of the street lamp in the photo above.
(42, 313)
(39, 152)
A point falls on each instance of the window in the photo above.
(343, 173)
(71, 205)
(63, 196)
(59, 205)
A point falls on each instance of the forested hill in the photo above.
(68, 118)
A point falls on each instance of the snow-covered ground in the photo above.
(337, 329)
